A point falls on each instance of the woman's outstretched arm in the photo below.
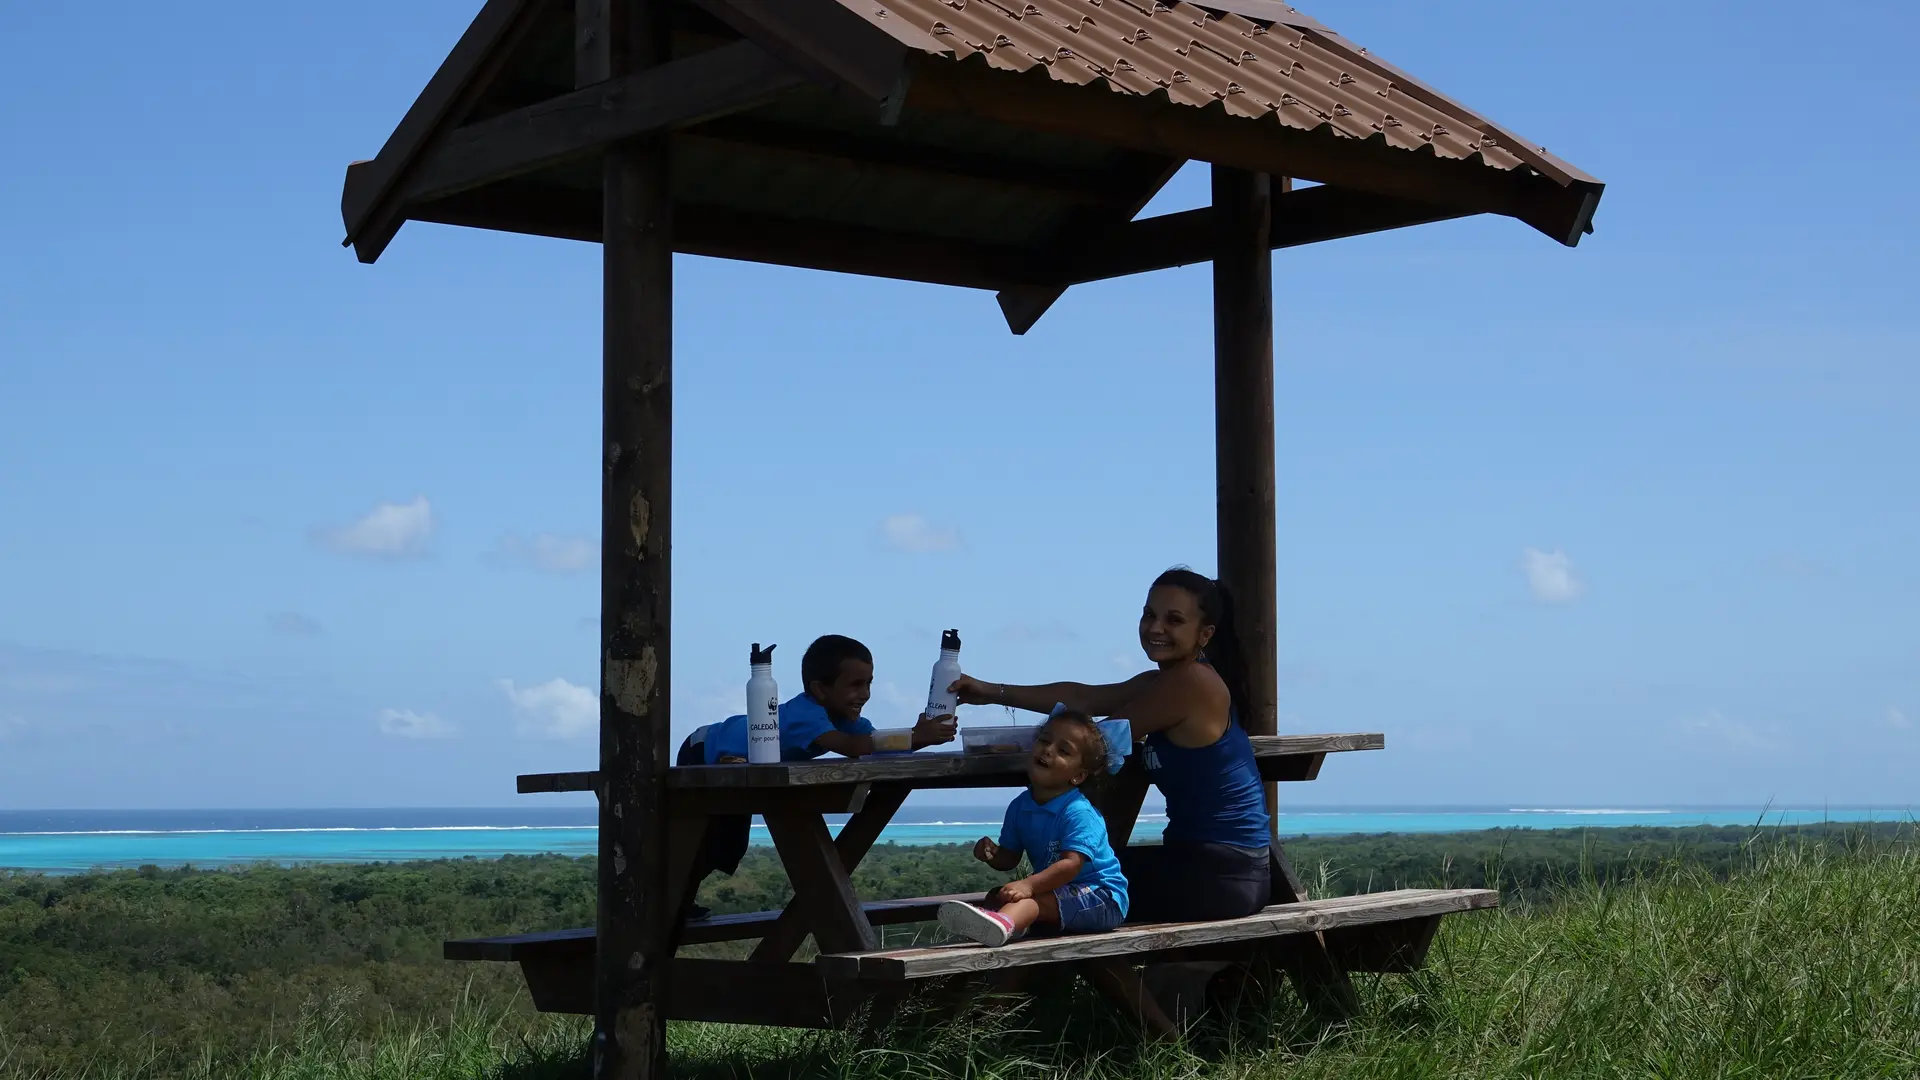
(1102, 700)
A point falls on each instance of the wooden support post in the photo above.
(1243, 471)
(1243, 429)
(635, 950)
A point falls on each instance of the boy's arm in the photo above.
(930, 731)
(933, 730)
(844, 744)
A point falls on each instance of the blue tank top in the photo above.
(1213, 792)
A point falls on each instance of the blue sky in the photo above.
(1629, 524)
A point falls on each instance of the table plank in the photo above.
(924, 769)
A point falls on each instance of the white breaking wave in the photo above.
(1550, 810)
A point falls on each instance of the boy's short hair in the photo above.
(824, 657)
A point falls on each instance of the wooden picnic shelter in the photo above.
(1006, 145)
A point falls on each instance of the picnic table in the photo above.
(1322, 940)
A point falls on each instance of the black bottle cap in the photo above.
(762, 656)
(950, 641)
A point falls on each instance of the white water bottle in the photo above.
(763, 709)
(940, 700)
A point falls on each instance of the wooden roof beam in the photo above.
(678, 94)
(826, 40)
(1022, 307)
(1103, 184)
(369, 203)
(731, 234)
(1157, 126)
(1307, 216)
(1300, 217)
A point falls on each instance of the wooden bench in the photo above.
(1386, 932)
(744, 926)
(1339, 918)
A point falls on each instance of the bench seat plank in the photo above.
(893, 965)
(738, 927)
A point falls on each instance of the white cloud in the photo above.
(1898, 720)
(292, 624)
(915, 535)
(388, 531)
(554, 554)
(1731, 733)
(556, 709)
(407, 724)
(1550, 576)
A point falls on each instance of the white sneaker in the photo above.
(962, 919)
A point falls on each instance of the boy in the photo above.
(837, 673)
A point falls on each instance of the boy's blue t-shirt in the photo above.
(1044, 831)
(802, 720)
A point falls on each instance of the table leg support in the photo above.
(686, 839)
(1120, 983)
(856, 838)
(821, 885)
(1317, 977)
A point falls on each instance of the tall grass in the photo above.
(1806, 963)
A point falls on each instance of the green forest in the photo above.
(158, 972)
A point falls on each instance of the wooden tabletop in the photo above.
(922, 769)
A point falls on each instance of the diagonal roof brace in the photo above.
(830, 42)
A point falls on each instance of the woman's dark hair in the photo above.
(1216, 609)
(824, 657)
(1095, 748)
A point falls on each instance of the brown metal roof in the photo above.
(1295, 70)
(987, 143)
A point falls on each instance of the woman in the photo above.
(1213, 862)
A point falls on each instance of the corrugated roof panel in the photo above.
(1293, 69)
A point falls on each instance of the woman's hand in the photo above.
(968, 690)
(986, 850)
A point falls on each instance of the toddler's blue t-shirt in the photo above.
(802, 720)
(1043, 831)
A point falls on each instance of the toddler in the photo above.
(1076, 885)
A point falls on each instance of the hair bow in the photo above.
(1117, 734)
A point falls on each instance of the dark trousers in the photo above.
(727, 836)
(1176, 882)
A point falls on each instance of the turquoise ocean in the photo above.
(72, 841)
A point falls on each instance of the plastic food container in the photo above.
(892, 740)
(1011, 739)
